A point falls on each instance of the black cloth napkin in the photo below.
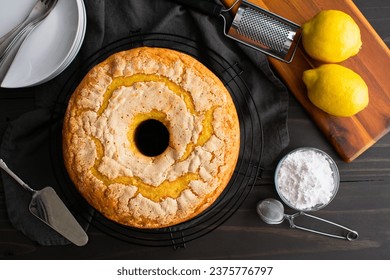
(26, 142)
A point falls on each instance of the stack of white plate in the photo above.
(50, 48)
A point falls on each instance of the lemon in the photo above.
(337, 90)
(331, 36)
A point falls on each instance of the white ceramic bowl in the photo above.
(335, 177)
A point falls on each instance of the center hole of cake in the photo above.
(151, 138)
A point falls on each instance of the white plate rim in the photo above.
(70, 53)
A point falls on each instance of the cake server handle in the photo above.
(15, 177)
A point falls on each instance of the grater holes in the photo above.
(265, 30)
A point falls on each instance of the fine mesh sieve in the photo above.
(255, 27)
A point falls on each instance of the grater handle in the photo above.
(206, 7)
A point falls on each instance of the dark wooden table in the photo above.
(362, 203)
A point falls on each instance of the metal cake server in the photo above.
(49, 208)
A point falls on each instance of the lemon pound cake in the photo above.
(150, 137)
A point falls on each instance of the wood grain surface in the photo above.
(353, 135)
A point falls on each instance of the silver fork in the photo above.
(37, 11)
(11, 42)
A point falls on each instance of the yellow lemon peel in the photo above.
(331, 36)
(337, 90)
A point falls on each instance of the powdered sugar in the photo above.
(305, 179)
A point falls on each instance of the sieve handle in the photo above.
(351, 234)
(206, 7)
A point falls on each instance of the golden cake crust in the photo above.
(98, 137)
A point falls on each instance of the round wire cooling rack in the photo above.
(243, 178)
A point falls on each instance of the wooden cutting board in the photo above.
(353, 135)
